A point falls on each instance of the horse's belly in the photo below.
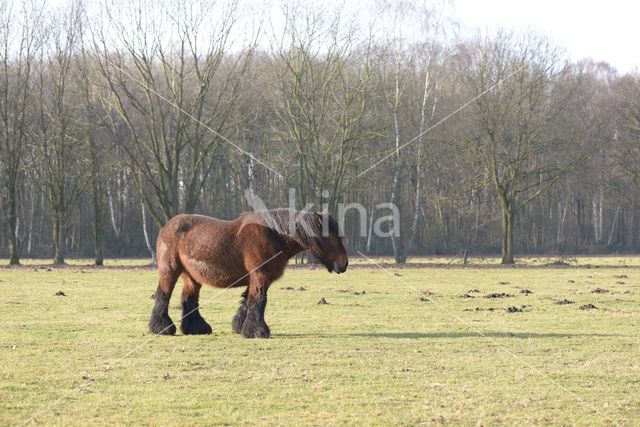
(214, 275)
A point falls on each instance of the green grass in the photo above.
(382, 357)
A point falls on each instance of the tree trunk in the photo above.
(370, 233)
(598, 218)
(112, 213)
(613, 227)
(416, 216)
(31, 215)
(12, 222)
(396, 241)
(507, 236)
(418, 164)
(97, 227)
(147, 239)
(58, 239)
(96, 190)
(562, 216)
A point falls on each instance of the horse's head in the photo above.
(329, 249)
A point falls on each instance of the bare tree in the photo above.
(90, 120)
(513, 78)
(323, 75)
(56, 150)
(20, 38)
(174, 94)
(409, 79)
(627, 138)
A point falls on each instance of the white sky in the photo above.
(603, 30)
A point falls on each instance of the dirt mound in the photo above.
(498, 295)
(562, 262)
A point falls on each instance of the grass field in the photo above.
(392, 346)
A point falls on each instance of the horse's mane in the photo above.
(304, 227)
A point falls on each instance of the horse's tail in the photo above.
(183, 226)
(167, 255)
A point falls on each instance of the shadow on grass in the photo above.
(421, 335)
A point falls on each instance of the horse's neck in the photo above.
(285, 224)
(292, 226)
(293, 245)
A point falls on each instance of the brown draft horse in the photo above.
(252, 251)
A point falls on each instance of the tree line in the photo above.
(115, 118)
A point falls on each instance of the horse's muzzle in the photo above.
(340, 266)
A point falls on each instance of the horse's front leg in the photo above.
(254, 325)
(241, 314)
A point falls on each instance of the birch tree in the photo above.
(412, 99)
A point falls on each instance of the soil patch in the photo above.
(498, 295)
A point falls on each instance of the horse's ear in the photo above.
(321, 222)
(323, 214)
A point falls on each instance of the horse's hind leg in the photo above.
(160, 322)
(192, 322)
(241, 314)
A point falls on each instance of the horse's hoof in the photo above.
(256, 331)
(162, 326)
(195, 327)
